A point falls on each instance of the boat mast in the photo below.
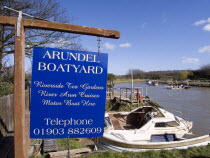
(132, 79)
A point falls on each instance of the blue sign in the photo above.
(68, 93)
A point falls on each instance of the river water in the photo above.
(192, 104)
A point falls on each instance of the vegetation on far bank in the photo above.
(201, 74)
(172, 76)
(129, 80)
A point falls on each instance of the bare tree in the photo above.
(137, 73)
(205, 71)
(111, 78)
(44, 9)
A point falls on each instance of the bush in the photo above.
(5, 88)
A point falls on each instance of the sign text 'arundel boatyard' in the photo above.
(56, 55)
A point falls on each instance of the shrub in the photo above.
(5, 88)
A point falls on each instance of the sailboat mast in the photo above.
(132, 79)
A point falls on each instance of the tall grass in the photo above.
(193, 152)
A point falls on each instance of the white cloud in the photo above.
(201, 22)
(190, 60)
(205, 22)
(206, 27)
(109, 46)
(204, 49)
(125, 45)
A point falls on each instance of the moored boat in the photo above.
(176, 87)
(119, 145)
(146, 128)
(152, 82)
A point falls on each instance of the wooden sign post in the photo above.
(19, 64)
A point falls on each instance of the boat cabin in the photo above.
(131, 120)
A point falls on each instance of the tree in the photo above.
(44, 9)
(155, 75)
(205, 71)
(111, 78)
(7, 74)
(137, 74)
(183, 75)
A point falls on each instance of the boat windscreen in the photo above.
(107, 122)
(148, 116)
(167, 124)
(177, 120)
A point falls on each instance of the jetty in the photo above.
(128, 98)
(131, 95)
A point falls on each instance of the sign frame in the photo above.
(68, 95)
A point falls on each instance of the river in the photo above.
(192, 104)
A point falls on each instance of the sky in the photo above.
(156, 35)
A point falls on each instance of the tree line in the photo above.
(201, 74)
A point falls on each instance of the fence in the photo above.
(7, 121)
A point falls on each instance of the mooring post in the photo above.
(19, 91)
(68, 154)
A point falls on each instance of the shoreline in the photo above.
(129, 80)
(193, 83)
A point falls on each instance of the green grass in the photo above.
(62, 144)
(129, 80)
(41, 156)
(193, 152)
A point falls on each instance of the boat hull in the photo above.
(111, 144)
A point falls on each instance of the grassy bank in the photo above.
(193, 152)
(129, 81)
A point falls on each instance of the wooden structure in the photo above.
(73, 153)
(19, 59)
(132, 95)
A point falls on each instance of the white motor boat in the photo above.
(146, 127)
(152, 83)
(142, 123)
(176, 87)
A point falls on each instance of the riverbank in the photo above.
(129, 80)
(194, 83)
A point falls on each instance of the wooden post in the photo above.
(19, 95)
